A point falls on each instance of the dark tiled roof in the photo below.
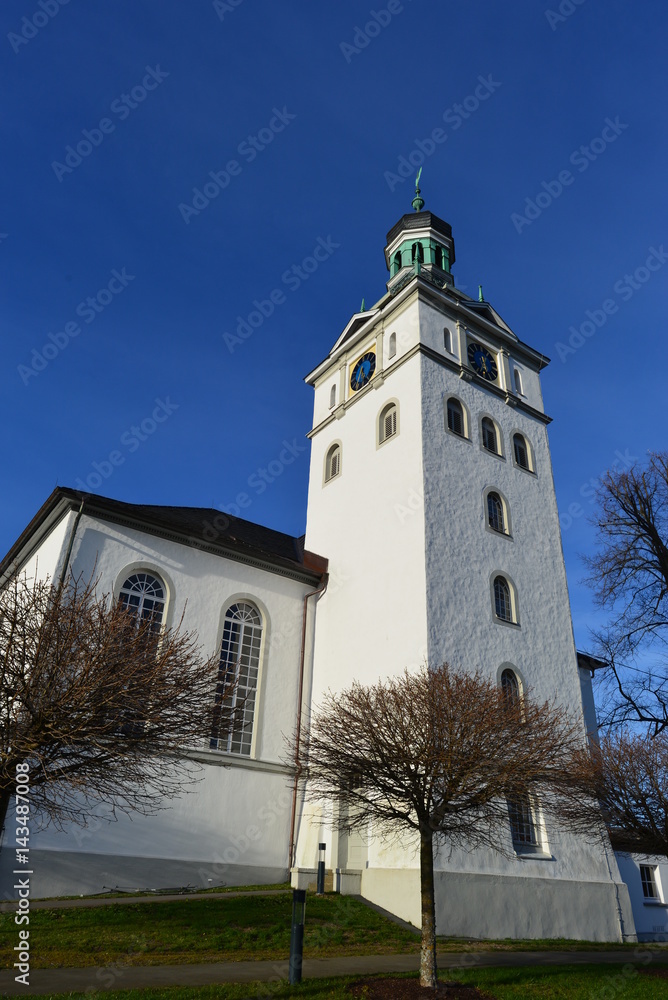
(200, 527)
(420, 220)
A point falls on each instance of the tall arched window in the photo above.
(332, 397)
(397, 261)
(392, 346)
(521, 452)
(438, 256)
(387, 422)
(495, 517)
(144, 596)
(510, 686)
(456, 417)
(234, 706)
(447, 340)
(333, 462)
(503, 606)
(489, 439)
(517, 375)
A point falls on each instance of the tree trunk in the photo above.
(428, 947)
(5, 799)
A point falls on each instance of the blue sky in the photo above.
(305, 112)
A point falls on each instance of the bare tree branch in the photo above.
(440, 753)
(629, 576)
(101, 706)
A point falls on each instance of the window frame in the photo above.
(507, 522)
(132, 569)
(381, 439)
(332, 396)
(514, 621)
(518, 381)
(466, 420)
(256, 605)
(650, 877)
(326, 478)
(392, 346)
(536, 846)
(500, 452)
(531, 468)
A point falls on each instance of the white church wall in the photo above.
(235, 794)
(371, 620)
(45, 561)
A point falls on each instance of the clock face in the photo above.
(362, 371)
(482, 362)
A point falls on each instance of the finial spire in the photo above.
(418, 202)
(362, 306)
(481, 297)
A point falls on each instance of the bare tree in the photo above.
(629, 575)
(627, 774)
(439, 753)
(98, 704)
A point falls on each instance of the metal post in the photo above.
(297, 936)
(320, 889)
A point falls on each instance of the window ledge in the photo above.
(502, 621)
(534, 856)
(219, 758)
(655, 903)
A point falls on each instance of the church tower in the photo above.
(431, 493)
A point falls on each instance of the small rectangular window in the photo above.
(650, 888)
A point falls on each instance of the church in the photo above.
(432, 536)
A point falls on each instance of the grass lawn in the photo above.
(587, 982)
(225, 929)
(202, 930)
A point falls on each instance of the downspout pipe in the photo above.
(68, 554)
(292, 847)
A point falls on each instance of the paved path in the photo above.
(136, 977)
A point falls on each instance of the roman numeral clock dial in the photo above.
(362, 371)
(482, 362)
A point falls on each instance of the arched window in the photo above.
(397, 261)
(332, 397)
(387, 422)
(510, 686)
(417, 253)
(234, 705)
(517, 375)
(503, 607)
(456, 417)
(489, 439)
(447, 340)
(144, 596)
(333, 462)
(495, 517)
(521, 452)
(438, 256)
(392, 346)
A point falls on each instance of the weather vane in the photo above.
(418, 202)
